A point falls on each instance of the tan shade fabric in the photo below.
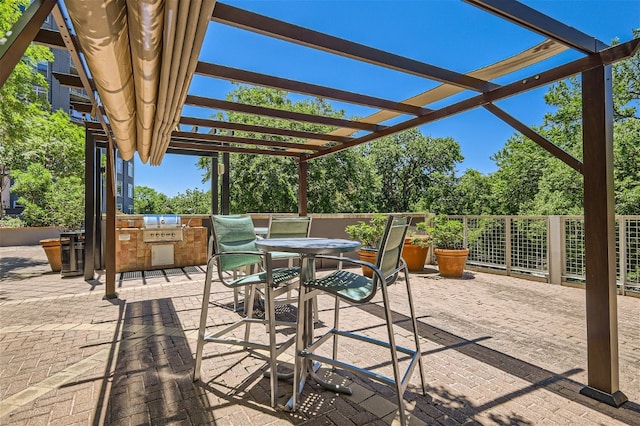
(185, 27)
(102, 31)
(146, 23)
(537, 53)
(142, 55)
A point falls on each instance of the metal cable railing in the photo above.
(528, 246)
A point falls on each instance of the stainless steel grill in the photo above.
(162, 228)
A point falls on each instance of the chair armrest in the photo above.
(244, 253)
(374, 268)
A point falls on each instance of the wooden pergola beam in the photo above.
(49, 38)
(22, 33)
(543, 142)
(250, 77)
(608, 56)
(233, 16)
(533, 20)
(191, 146)
(212, 137)
(278, 113)
(207, 149)
(252, 128)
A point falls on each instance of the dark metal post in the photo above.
(89, 206)
(302, 188)
(110, 247)
(214, 184)
(600, 247)
(99, 201)
(225, 183)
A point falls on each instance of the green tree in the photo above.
(148, 201)
(410, 167)
(531, 181)
(50, 201)
(193, 201)
(261, 183)
(20, 106)
(472, 194)
(343, 182)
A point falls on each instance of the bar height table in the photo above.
(309, 248)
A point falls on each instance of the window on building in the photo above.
(41, 92)
(43, 67)
(130, 168)
(119, 165)
(119, 189)
(130, 190)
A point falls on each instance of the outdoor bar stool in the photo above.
(234, 248)
(357, 289)
(290, 227)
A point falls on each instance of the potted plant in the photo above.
(448, 241)
(416, 247)
(369, 235)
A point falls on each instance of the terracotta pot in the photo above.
(368, 256)
(451, 262)
(51, 247)
(414, 255)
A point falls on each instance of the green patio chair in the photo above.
(357, 289)
(234, 249)
(290, 227)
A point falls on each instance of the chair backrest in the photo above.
(391, 246)
(289, 227)
(232, 234)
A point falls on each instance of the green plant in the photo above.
(369, 234)
(11, 222)
(419, 235)
(48, 201)
(446, 233)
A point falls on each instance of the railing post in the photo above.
(622, 235)
(555, 247)
(507, 244)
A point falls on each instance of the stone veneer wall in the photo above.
(133, 254)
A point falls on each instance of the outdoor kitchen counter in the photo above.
(133, 253)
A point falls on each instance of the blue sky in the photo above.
(447, 33)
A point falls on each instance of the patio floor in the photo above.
(497, 351)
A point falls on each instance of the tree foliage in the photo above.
(192, 201)
(20, 106)
(397, 173)
(411, 168)
(50, 201)
(261, 183)
(531, 181)
(147, 201)
(42, 151)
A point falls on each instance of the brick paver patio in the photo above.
(497, 350)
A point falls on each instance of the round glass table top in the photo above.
(308, 245)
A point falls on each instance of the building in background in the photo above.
(60, 97)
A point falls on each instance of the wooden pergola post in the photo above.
(110, 226)
(214, 184)
(600, 248)
(89, 206)
(302, 188)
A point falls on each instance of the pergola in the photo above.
(143, 83)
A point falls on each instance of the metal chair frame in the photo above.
(388, 265)
(281, 227)
(272, 279)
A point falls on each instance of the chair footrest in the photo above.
(415, 356)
